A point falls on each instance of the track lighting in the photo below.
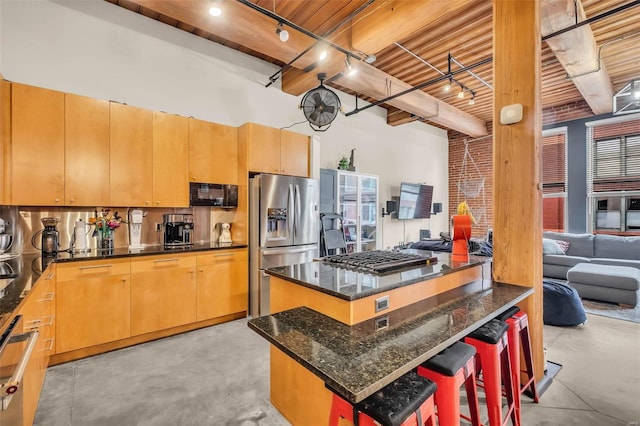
(282, 33)
(447, 87)
(323, 55)
(215, 10)
(472, 101)
(461, 93)
(350, 70)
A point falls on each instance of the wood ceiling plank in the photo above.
(378, 85)
(577, 51)
(395, 117)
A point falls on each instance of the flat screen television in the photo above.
(415, 201)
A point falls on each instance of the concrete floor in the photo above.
(219, 376)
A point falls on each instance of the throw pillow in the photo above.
(564, 245)
(551, 247)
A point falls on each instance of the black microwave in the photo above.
(213, 194)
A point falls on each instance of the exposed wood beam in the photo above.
(397, 19)
(239, 24)
(395, 117)
(377, 84)
(377, 28)
(577, 51)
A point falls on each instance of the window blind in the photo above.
(554, 173)
(615, 163)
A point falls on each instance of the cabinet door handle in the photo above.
(50, 348)
(173, 259)
(49, 322)
(49, 277)
(147, 202)
(224, 255)
(82, 268)
(33, 324)
(71, 200)
(201, 270)
(48, 297)
(157, 202)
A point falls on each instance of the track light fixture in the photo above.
(350, 70)
(461, 93)
(472, 101)
(323, 54)
(282, 33)
(447, 87)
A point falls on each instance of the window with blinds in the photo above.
(554, 181)
(616, 164)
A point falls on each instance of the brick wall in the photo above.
(481, 151)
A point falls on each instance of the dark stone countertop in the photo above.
(351, 284)
(356, 361)
(28, 267)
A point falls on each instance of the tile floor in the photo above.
(219, 376)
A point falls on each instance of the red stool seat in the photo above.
(449, 370)
(408, 401)
(491, 342)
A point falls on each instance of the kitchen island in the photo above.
(314, 352)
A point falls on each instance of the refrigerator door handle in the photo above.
(297, 211)
(291, 215)
(287, 251)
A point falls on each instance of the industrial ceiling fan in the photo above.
(320, 106)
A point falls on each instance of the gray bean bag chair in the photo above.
(561, 304)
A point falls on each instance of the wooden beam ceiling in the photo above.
(255, 31)
(577, 51)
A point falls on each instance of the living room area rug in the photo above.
(612, 310)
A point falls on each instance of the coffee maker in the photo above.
(50, 236)
(178, 229)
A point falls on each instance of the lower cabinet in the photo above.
(38, 314)
(92, 303)
(163, 292)
(222, 283)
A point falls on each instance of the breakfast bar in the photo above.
(319, 347)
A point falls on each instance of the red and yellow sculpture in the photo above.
(461, 224)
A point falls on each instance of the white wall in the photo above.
(96, 49)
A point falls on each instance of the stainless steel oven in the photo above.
(15, 350)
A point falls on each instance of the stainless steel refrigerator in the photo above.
(283, 219)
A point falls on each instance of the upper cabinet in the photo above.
(5, 137)
(37, 146)
(294, 153)
(213, 152)
(271, 150)
(131, 155)
(170, 160)
(86, 151)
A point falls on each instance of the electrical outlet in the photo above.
(158, 227)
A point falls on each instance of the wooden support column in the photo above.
(517, 230)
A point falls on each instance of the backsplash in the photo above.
(24, 222)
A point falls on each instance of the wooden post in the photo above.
(517, 231)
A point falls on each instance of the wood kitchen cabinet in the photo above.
(213, 152)
(222, 283)
(294, 153)
(92, 303)
(271, 150)
(38, 314)
(130, 156)
(86, 150)
(37, 146)
(170, 160)
(5, 138)
(163, 292)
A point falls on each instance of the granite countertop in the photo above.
(356, 361)
(28, 267)
(351, 284)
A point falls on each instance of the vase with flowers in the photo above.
(105, 224)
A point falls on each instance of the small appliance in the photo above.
(213, 195)
(178, 229)
(6, 240)
(80, 230)
(135, 229)
(49, 236)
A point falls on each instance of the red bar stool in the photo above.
(519, 336)
(408, 401)
(491, 342)
(449, 370)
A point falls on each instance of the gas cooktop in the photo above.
(379, 261)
